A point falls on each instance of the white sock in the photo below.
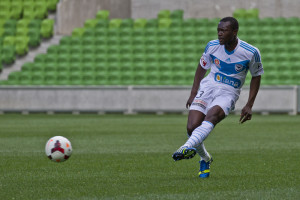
(202, 152)
(199, 134)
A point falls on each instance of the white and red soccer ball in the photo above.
(58, 149)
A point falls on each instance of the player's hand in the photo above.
(246, 114)
(190, 101)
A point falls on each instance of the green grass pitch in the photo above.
(129, 157)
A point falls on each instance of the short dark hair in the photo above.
(233, 22)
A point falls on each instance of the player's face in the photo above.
(225, 33)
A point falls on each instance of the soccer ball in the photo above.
(58, 149)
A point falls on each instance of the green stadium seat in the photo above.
(113, 32)
(13, 78)
(175, 31)
(102, 14)
(27, 67)
(41, 11)
(29, 14)
(5, 14)
(37, 78)
(176, 23)
(50, 78)
(4, 6)
(189, 23)
(16, 10)
(11, 23)
(176, 14)
(115, 23)
(152, 23)
(64, 79)
(89, 32)
(164, 23)
(8, 54)
(34, 24)
(239, 13)
(88, 78)
(102, 24)
(22, 32)
(252, 13)
(51, 5)
(113, 41)
(78, 32)
(90, 23)
(25, 78)
(47, 28)
(37, 68)
(63, 59)
(127, 23)
(34, 38)
(40, 58)
(163, 14)
(21, 45)
(88, 41)
(9, 41)
(201, 23)
(101, 58)
(140, 23)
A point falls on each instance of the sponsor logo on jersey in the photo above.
(239, 67)
(217, 62)
(221, 78)
(203, 62)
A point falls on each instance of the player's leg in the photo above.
(195, 119)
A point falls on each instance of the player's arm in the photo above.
(246, 113)
(199, 75)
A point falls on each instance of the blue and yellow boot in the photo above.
(205, 168)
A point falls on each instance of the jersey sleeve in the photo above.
(255, 65)
(205, 60)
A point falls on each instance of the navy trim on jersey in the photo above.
(211, 43)
(252, 50)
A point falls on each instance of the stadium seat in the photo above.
(163, 14)
(140, 23)
(51, 5)
(176, 15)
(41, 11)
(47, 28)
(127, 23)
(102, 14)
(8, 54)
(152, 23)
(78, 32)
(21, 45)
(115, 23)
(164, 23)
(102, 23)
(90, 23)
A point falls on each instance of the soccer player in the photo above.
(213, 97)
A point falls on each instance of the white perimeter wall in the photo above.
(131, 99)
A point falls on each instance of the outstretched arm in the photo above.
(246, 113)
(199, 75)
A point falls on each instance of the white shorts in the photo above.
(207, 97)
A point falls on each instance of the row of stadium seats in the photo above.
(16, 41)
(27, 9)
(154, 52)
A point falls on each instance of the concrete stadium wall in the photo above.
(131, 99)
(73, 13)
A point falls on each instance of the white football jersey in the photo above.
(229, 69)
